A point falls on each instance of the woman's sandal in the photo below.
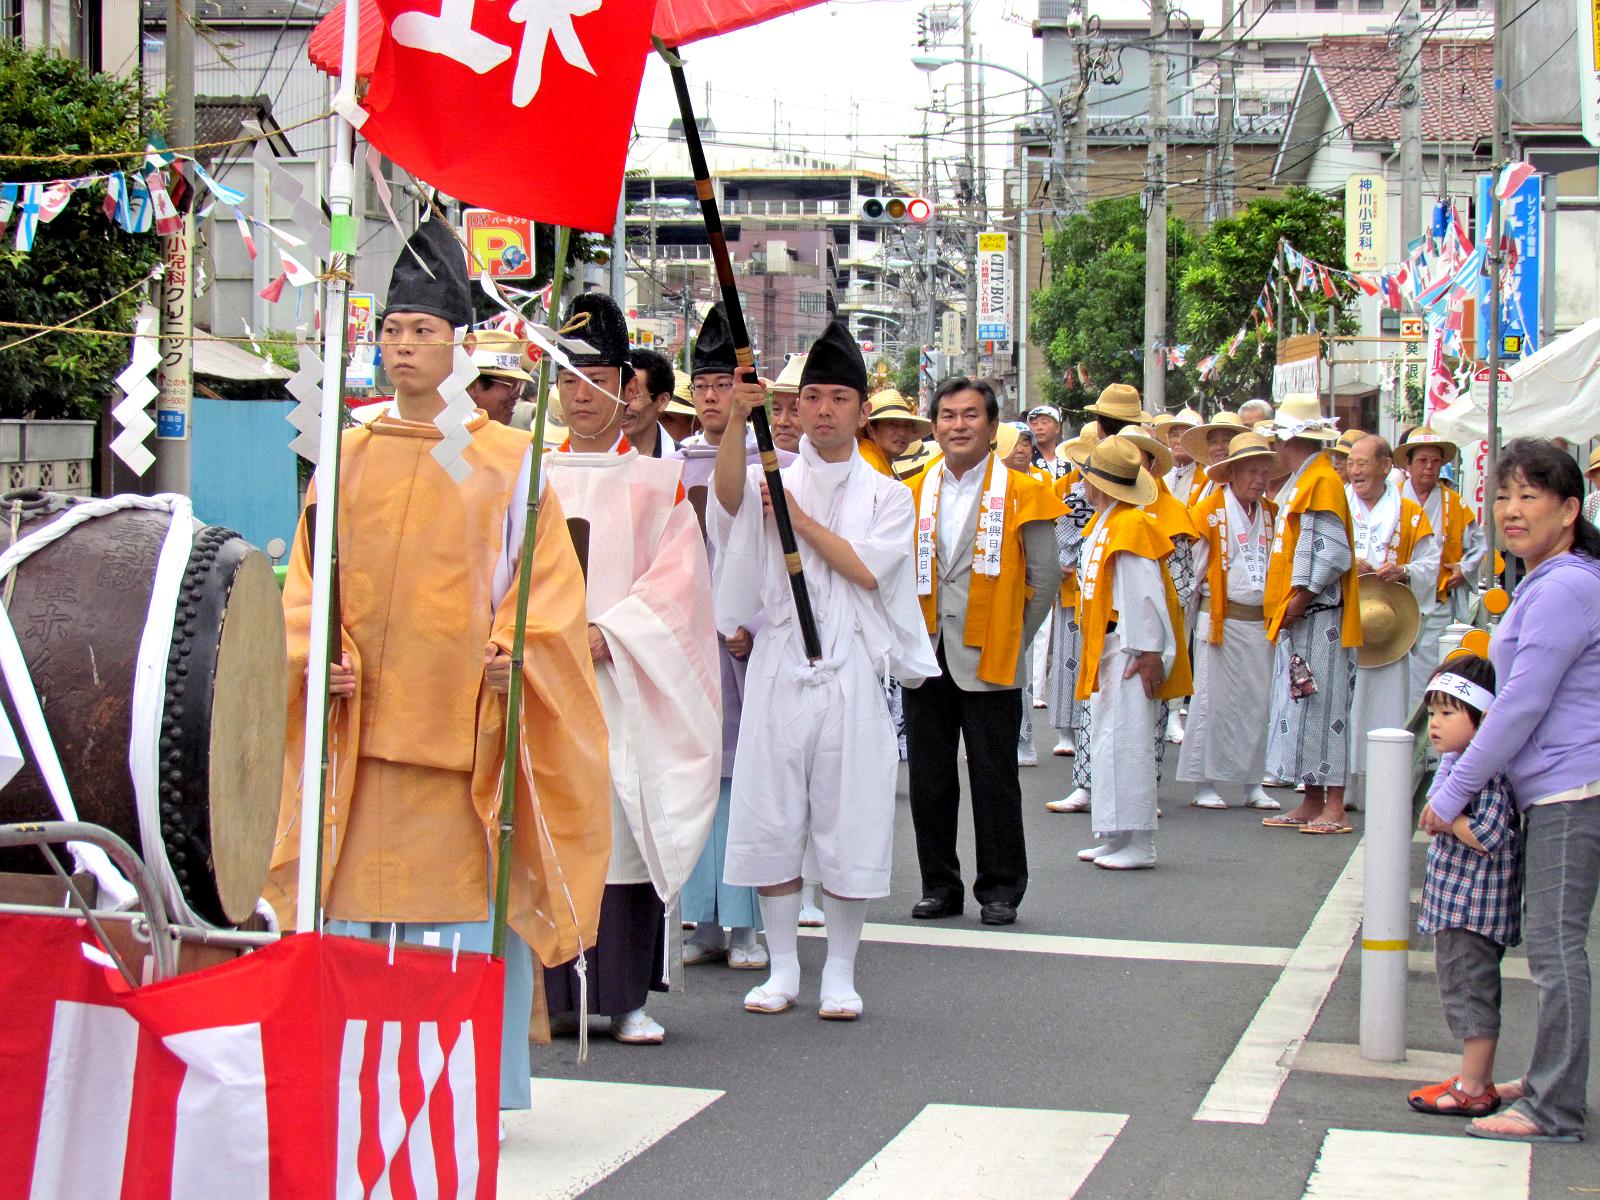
(1432, 1100)
(1521, 1129)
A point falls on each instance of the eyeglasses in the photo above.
(724, 387)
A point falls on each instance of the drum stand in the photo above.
(120, 932)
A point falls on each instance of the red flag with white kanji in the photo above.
(520, 106)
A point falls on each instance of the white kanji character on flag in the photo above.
(542, 20)
(451, 34)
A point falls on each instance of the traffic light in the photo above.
(897, 210)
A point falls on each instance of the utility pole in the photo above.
(1078, 152)
(619, 251)
(175, 377)
(1155, 229)
(1410, 126)
(1226, 102)
(1496, 269)
(969, 236)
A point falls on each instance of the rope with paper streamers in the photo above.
(182, 151)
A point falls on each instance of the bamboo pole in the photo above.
(745, 357)
(508, 768)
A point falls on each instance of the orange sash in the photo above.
(1211, 517)
(1131, 531)
(994, 605)
(1318, 490)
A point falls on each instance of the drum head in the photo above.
(248, 703)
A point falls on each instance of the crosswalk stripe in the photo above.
(958, 1151)
(578, 1132)
(1360, 1165)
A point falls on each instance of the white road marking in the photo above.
(1082, 947)
(957, 1152)
(1247, 1087)
(1344, 1058)
(1359, 1165)
(578, 1132)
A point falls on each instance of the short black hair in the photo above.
(1474, 668)
(1546, 466)
(1110, 426)
(961, 383)
(656, 369)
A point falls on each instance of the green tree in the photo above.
(905, 378)
(1092, 311)
(1225, 275)
(52, 105)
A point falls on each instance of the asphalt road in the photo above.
(1127, 1037)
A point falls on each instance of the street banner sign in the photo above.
(1522, 220)
(994, 287)
(1366, 220)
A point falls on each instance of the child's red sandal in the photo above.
(1447, 1099)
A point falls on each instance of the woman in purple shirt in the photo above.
(1540, 731)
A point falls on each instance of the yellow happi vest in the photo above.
(994, 603)
(1319, 490)
(1131, 531)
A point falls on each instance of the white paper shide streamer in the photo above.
(306, 416)
(137, 391)
(458, 410)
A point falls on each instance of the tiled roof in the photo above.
(1360, 76)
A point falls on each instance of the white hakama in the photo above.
(1123, 769)
(817, 764)
(1225, 740)
(1456, 606)
(1379, 703)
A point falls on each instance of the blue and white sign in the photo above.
(1521, 220)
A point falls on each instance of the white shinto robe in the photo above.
(815, 773)
(1225, 740)
(1381, 693)
(649, 595)
(1122, 737)
(1456, 606)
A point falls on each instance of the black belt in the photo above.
(1316, 608)
(1111, 626)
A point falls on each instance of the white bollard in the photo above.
(1386, 903)
(1450, 639)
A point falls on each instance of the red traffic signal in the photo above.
(897, 210)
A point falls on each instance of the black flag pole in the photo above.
(746, 358)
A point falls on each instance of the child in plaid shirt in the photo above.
(1471, 897)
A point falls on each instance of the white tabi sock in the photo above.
(845, 921)
(781, 917)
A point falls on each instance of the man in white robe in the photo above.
(817, 765)
(1394, 543)
(1226, 739)
(653, 640)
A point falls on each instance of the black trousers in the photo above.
(989, 723)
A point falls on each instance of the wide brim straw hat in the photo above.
(890, 405)
(1152, 446)
(1116, 468)
(1390, 619)
(788, 379)
(1121, 401)
(1186, 418)
(500, 354)
(680, 402)
(1194, 441)
(917, 456)
(1076, 450)
(1294, 411)
(1423, 435)
(1594, 462)
(1245, 447)
(1346, 443)
(1007, 436)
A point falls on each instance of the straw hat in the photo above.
(1423, 435)
(1295, 413)
(1152, 446)
(1389, 622)
(1076, 450)
(1594, 462)
(1119, 400)
(1194, 442)
(788, 379)
(501, 354)
(1115, 468)
(1347, 442)
(890, 405)
(1245, 447)
(1185, 418)
(917, 456)
(1008, 435)
(681, 402)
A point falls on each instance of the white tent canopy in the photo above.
(1554, 392)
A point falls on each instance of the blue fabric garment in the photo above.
(516, 1070)
(705, 896)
